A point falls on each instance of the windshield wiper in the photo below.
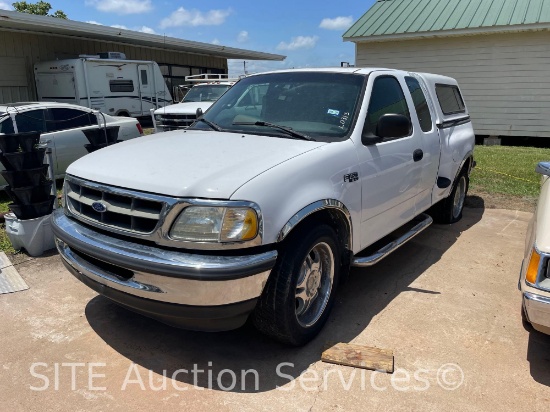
(211, 124)
(285, 129)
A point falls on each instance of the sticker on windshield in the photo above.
(333, 112)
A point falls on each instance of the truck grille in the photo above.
(112, 209)
(176, 121)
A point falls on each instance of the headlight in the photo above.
(215, 224)
(158, 117)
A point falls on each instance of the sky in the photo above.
(308, 32)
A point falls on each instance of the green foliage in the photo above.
(40, 8)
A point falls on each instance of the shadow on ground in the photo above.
(538, 356)
(367, 292)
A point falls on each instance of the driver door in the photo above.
(390, 177)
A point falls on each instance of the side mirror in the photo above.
(393, 126)
(543, 168)
(199, 112)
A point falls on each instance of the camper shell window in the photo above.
(450, 99)
(121, 85)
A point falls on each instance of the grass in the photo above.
(507, 170)
(501, 170)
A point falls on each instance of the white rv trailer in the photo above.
(106, 82)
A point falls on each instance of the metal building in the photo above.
(26, 39)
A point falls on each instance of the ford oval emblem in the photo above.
(99, 207)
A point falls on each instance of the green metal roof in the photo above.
(410, 17)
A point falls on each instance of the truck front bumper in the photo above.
(188, 290)
(537, 309)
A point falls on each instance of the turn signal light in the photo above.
(533, 268)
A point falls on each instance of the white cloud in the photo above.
(120, 26)
(94, 22)
(216, 42)
(5, 6)
(242, 37)
(121, 6)
(193, 18)
(300, 42)
(148, 30)
(337, 23)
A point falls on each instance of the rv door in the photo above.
(146, 92)
(56, 87)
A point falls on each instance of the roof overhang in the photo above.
(15, 21)
(450, 33)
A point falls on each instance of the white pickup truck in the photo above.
(261, 206)
(207, 89)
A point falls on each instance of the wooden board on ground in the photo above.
(359, 356)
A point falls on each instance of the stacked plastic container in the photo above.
(28, 226)
(100, 138)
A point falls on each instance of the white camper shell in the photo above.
(115, 86)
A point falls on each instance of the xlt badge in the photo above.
(351, 177)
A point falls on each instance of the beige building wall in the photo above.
(20, 51)
(505, 78)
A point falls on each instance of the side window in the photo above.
(386, 97)
(6, 126)
(420, 104)
(63, 119)
(143, 78)
(450, 99)
(31, 121)
(121, 85)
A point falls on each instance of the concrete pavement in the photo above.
(446, 303)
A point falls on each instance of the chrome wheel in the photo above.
(314, 284)
(460, 195)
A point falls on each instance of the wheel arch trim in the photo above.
(324, 204)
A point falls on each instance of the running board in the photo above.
(366, 261)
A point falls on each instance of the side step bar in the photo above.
(366, 261)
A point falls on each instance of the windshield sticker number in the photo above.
(333, 112)
(343, 120)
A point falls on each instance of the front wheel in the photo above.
(300, 292)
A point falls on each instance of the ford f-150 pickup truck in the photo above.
(259, 209)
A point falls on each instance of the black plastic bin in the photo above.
(24, 178)
(33, 210)
(32, 194)
(96, 137)
(10, 143)
(23, 160)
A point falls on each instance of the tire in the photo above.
(449, 210)
(297, 298)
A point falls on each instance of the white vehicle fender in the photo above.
(292, 190)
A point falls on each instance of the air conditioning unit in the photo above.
(112, 55)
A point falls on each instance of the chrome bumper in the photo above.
(537, 309)
(148, 272)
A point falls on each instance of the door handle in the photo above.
(418, 154)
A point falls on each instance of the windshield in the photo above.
(319, 105)
(205, 93)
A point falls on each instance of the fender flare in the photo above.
(316, 207)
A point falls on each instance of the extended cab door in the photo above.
(390, 176)
(423, 118)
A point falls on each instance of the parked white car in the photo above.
(61, 125)
(534, 281)
(262, 205)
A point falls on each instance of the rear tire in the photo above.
(449, 210)
(299, 294)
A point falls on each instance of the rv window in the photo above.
(31, 121)
(63, 119)
(144, 77)
(121, 85)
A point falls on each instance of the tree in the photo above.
(40, 8)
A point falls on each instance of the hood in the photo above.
(184, 108)
(189, 163)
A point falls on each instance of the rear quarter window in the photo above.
(450, 99)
